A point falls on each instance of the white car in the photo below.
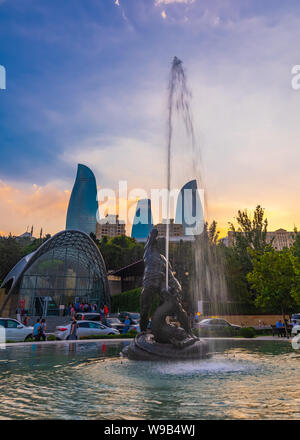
(296, 329)
(14, 330)
(85, 328)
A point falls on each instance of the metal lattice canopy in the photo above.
(70, 241)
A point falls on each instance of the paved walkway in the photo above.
(79, 341)
(87, 341)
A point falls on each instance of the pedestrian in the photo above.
(26, 320)
(77, 306)
(106, 311)
(42, 329)
(36, 332)
(73, 331)
(72, 311)
(280, 328)
(18, 313)
(126, 324)
(102, 313)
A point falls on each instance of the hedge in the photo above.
(128, 301)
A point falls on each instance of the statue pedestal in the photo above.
(145, 348)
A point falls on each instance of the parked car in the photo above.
(295, 330)
(113, 322)
(89, 316)
(15, 330)
(134, 317)
(217, 324)
(85, 328)
(295, 318)
(134, 320)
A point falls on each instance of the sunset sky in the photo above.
(87, 83)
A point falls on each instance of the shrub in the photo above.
(51, 338)
(247, 332)
(126, 301)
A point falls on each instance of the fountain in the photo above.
(171, 336)
(167, 340)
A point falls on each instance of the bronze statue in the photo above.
(171, 336)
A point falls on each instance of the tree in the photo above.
(296, 246)
(120, 251)
(250, 233)
(296, 286)
(237, 284)
(273, 278)
(10, 254)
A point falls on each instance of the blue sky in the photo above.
(87, 82)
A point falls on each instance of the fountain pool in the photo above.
(245, 379)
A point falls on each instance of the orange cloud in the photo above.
(41, 206)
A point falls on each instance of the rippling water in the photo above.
(244, 379)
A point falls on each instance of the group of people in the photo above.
(285, 327)
(80, 307)
(39, 330)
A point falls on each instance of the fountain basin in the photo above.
(145, 348)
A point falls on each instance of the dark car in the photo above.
(217, 324)
(134, 317)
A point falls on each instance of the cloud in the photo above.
(25, 205)
(164, 15)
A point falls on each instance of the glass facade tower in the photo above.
(83, 203)
(143, 221)
(189, 210)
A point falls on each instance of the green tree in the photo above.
(296, 246)
(120, 251)
(10, 254)
(237, 284)
(34, 245)
(250, 233)
(273, 278)
(296, 286)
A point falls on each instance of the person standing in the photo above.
(43, 329)
(36, 330)
(72, 311)
(280, 328)
(26, 320)
(106, 311)
(126, 324)
(102, 313)
(18, 313)
(74, 327)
